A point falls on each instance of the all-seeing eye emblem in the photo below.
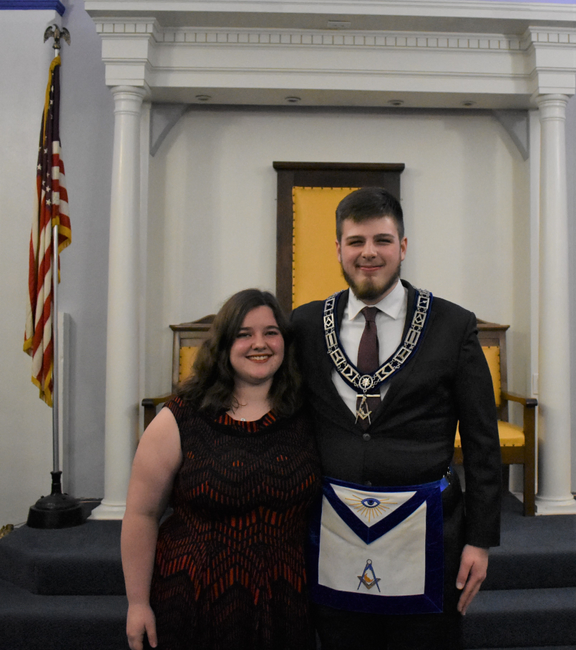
(370, 507)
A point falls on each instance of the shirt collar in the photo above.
(391, 304)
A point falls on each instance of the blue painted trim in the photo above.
(33, 4)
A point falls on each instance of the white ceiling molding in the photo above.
(508, 17)
(446, 54)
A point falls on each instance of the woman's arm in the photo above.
(156, 462)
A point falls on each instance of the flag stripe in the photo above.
(51, 210)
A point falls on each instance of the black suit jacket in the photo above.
(411, 437)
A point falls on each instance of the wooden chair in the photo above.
(517, 444)
(188, 337)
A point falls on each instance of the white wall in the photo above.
(86, 132)
(25, 421)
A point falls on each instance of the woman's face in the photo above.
(258, 350)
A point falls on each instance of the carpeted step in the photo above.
(540, 568)
(535, 552)
(84, 560)
(34, 622)
(521, 617)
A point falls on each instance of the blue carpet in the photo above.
(83, 560)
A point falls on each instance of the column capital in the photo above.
(128, 99)
(552, 107)
(551, 99)
(140, 91)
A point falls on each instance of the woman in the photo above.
(235, 458)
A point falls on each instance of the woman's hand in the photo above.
(140, 621)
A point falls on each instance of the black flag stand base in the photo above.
(57, 510)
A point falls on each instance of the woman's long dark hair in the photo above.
(210, 388)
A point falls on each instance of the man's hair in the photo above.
(210, 388)
(369, 203)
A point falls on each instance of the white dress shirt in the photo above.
(390, 321)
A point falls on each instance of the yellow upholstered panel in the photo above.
(511, 435)
(316, 272)
(187, 356)
(492, 354)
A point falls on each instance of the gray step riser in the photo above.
(531, 571)
(494, 632)
(83, 560)
(521, 618)
(32, 622)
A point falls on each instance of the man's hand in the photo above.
(473, 566)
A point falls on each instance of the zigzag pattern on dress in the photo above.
(229, 569)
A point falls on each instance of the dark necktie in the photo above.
(368, 364)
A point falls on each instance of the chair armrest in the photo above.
(147, 402)
(525, 401)
(150, 404)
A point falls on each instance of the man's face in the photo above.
(370, 254)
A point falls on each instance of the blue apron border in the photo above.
(430, 602)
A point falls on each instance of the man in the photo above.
(397, 552)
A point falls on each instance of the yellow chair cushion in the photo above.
(187, 357)
(511, 435)
(492, 354)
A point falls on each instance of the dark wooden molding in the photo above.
(339, 166)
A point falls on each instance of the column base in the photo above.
(555, 507)
(108, 510)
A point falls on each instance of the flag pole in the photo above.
(56, 366)
(58, 510)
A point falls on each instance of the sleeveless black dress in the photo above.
(229, 571)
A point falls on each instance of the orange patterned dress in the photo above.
(229, 571)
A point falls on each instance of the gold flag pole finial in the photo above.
(57, 33)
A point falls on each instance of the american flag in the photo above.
(51, 210)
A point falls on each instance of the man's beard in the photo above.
(369, 290)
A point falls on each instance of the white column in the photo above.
(122, 352)
(143, 243)
(554, 495)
